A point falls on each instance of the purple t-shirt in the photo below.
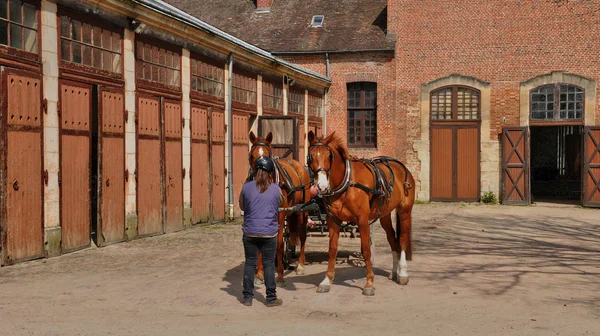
(261, 210)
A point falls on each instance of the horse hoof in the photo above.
(281, 284)
(369, 291)
(323, 289)
(258, 282)
(299, 270)
(393, 276)
(403, 280)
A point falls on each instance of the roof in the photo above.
(348, 25)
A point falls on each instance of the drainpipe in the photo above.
(326, 93)
(230, 134)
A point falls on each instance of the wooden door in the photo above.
(200, 165)
(217, 133)
(21, 166)
(173, 166)
(240, 157)
(112, 165)
(515, 165)
(591, 168)
(285, 135)
(75, 148)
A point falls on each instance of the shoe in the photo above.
(247, 302)
(274, 303)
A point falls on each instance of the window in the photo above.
(362, 114)
(207, 78)
(455, 103)
(315, 105)
(244, 89)
(18, 25)
(556, 102)
(157, 65)
(296, 102)
(273, 96)
(88, 45)
(317, 21)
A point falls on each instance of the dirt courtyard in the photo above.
(477, 270)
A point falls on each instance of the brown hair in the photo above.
(263, 180)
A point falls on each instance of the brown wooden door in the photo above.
(218, 165)
(455, 169)
(112, 166)
(285, 134)
(240, 157)
(591, 168)
(75, 129)
(173, 166)
(149, 166)
(21, 165)
(515, 165)
(200, 165)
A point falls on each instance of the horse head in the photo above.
(325, 157)
(260, 147)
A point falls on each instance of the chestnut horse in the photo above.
(294, 182)
(361, 191)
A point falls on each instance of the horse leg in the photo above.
(365, 245)
(302, 228)
(386, 224)
(334, 234)
(260, 271)
(280, 280)
(404, 222)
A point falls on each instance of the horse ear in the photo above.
(269, 138)
(329, 138)
(311, 137)
(252, 137)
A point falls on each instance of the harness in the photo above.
(383, 188)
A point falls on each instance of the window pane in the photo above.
(76, 47)
(76, 30)
(107, 60)
(16, 37)
(15, 12)
(29, 12)
(116, 63)
(65, 50)
(97, 58)
(87, 56)
(86, 33)
(65, 27)
(3, 9)
(3, 32)
(116, 42)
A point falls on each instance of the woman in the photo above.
(260, 200)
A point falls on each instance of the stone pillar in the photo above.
(52, 229)
(228, 203)
(186, 133)
(130, 142)
(286, 91)
(305, 124)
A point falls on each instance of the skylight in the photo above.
(317, 21)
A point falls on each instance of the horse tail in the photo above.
(404, 231)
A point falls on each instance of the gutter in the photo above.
(230, 133)
(327, 73)
(181, 16)
(320, 52)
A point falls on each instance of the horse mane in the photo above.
(338, 145)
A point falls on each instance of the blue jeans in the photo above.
(268, 246)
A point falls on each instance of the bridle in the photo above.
(341, 188)
(320, 169)
(257, 144)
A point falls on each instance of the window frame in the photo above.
(199, 78)
(317, 108)
(248, 85)
(154, 43)
(21, 52)
(454, 104)
(556, 113)
(268, 92)
(300, 103)
(363, 108)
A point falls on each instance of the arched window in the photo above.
(362, 114)
(556, 102)
(455, 103)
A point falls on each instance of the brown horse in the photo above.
(360, 191)
(294, 182)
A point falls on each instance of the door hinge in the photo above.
(45, 105)
(46, 177)
(183, 173)
(59, 178)
(126, 175)
(135, 174)
(126, 116)
(182, 122)
(58, 107)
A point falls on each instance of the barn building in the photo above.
(475, 96)
(124, 119)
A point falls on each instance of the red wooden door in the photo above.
(240, 157)
(441, 164)
(75, 113)
(21, 218)
(173, 166)
(112, 171)
(515, 165)
(149, 166)
(200, 166)
(218, 165)
(591, 168)
(301, 138)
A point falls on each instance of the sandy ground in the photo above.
(477, 270)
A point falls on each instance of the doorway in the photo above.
(556, 164)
